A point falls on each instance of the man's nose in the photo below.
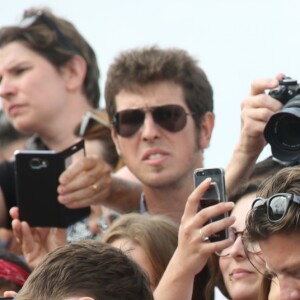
(150, 130)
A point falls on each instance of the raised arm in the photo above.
(256, 110)
(193, 250)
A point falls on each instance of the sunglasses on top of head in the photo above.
(277, 205)
(41, 17)
(172, 118)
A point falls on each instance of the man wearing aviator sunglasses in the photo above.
(274, 224)
(160, 104)
(171, 117)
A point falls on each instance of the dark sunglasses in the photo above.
(170, 117)
(277, 205)
(41, 17)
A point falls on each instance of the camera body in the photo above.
(288, 89)
(282, 131)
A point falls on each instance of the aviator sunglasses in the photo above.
(277, 205)
(169, 117)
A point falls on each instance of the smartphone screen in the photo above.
(216, 193)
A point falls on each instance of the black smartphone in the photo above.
(216, 193)
(37, 174)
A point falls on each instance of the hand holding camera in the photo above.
(282, 130)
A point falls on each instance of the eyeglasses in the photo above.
(234, 234)
(170, 117)
(43, 18)
(277, 205)
(94, 126)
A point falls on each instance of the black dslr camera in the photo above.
(282, 131)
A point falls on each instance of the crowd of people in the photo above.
(145, 237)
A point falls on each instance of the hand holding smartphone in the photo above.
(215, 194)
(37, 174)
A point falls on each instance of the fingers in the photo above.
(193, 200)
(212, 211)
(93, 220)
(14, 212)
(85, 197)
(280, 76)
(258, 86)
(261, 101)
(10, 294)
(28, 241)
(84, 183)
(256, 110)
(57, 237)
(216, 226)
(254, 117)
(17, 229)
(193, 204)
(90, 166)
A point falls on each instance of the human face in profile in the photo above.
(242, 280)
(281, 253)
(32, 90)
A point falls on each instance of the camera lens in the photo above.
(287, 131)
(200, 173)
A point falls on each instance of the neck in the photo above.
(169, 201)
(58, 133)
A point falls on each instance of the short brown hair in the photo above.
(139, 67)
(42, 39)
(87, 268)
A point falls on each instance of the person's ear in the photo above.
(114, 137)
(206, 128)
(74, 73)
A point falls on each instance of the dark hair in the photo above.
(262, 170)
(87, 268)
(258, 226)
(265, 168)
(140, 67)
(42, 39)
